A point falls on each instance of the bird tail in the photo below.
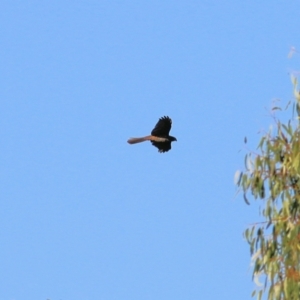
(146, 138)
(139, 140)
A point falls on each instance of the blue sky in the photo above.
(83, 214)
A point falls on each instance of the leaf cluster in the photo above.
(273, 176)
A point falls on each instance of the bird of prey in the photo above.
(159, 137)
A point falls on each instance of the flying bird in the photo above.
(159, 137)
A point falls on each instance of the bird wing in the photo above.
(163, 127)
(162, 147)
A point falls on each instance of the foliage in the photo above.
(273, 176)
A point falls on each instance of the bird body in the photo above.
(159, 137)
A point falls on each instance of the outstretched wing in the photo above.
(162, 146)
(162, 128)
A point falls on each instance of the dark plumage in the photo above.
(162, 129)
(159, 137)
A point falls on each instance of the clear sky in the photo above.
(84, 215)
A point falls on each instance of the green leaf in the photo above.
(259, 232)
(246, 200)
(286, 208)
(288, 104)
(257, 265)
(245, 161)
(252, 231)
(248, 162)
(261, 143)
(262, 191)
(290, 129)
(259, 295)
(297, 104)
(296, 161)
(297, 95)
(246, 234)
(252, 246)
(276, 108)
(257, 162)
(244, 182)
(287, 129)
(294, 80)
(237, 177)
(285, 286)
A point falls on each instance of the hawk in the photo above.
(159, 137)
